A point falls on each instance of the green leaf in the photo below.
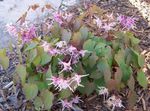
(31, 46)
(96, 74)
(47, 98)
(21, 71)
(65, 94)
(32, 55)
(141, 78)
(100, 49)
(4, 61)
(45, 58)
(104, 68)
(88, 87)
(66, 35)
(38, 103)
(89, 45)
(131, 83)
(30, 91)
(92, 60)
(37, 60)
(84, 32)
(41, 85)
(137, 58)
(126, 70)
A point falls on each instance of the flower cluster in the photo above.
(61, 48)
(114, 102)
(11, 29)
(61, 83)
(28, 34)
(103, 91)
(105, 25)
(69, 104)
(109, 23)
(62, 17)
(127, 22)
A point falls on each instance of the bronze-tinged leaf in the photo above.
(35, 6)
(132, 98)
(48, 6)
(131, 83)
(112, 85)
(118, 75)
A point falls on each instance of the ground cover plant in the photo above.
(93, 52)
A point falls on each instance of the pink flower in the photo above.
(127, 22)
(66, 105)
(58, 18)
(103, 91)
(28, 34)
(66, 66)
(76, 100)
(108, 27)
(60, 83)
(11, 29)
(83, 52)
(54, 52)
(61, 44)
(77, 80)
(114, 102)
(46, 46)
(98, 22)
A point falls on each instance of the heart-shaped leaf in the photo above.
(30, 91)
(21, 72)
(47, 99)
(141, 78)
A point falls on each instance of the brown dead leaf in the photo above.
(35, 6)
(48, 6)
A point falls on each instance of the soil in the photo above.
(12, 99)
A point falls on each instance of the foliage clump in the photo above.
(78, 56)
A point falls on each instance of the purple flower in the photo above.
(127, 22)
(108, 27)
(76, 100)
(58, 18)
(77, 80)
(46, 46)
(61, 44)
(83, 52)
(66, 65)
(54, 52)
(11, 29)
(60, 83)
(28, 34)
(114, 102)
(103, 91)
(66, 105)
(98, 22)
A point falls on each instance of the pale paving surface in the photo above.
(11, 10)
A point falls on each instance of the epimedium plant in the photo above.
(77, 59)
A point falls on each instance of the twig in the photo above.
(144, 106)
(8, 85)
